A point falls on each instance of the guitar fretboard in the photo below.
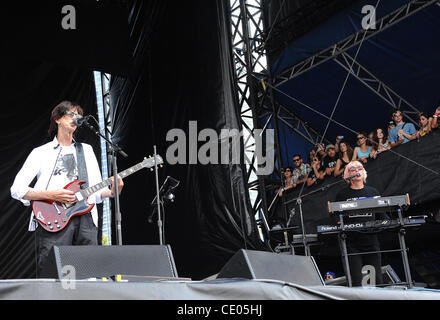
(91, 190)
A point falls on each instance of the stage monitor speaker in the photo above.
(106, 261)
(251, 264)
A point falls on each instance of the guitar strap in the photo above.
(82, 168)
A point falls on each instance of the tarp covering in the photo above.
(182, 72)
(220, 290)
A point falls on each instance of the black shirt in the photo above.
(329, 162)
(356, 194)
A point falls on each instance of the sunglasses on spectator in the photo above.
(296, 160)
(360, 138)
(354, 169)
(287, 170)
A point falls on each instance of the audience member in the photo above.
(425, 125)
(403, 132)
(338, 140)
(391, 125)
(317, 174)
(332, 160)
(329, 162)
(321, 152)
(362, 152)
(345, 156)
(288, 181)
(301, 171)
(312, 155)
(380, 143)
(434, 124)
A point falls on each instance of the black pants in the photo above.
(80, 231)
(358, 261)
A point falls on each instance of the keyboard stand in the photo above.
(342, 236)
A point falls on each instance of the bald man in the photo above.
(358, 242)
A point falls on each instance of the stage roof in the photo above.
(404, 57)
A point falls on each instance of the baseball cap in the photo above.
(330, 146)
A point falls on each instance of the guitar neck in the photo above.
(91, 190)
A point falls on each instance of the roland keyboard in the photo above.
(372, 226)
(369, 205)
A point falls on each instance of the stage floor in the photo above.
(219, 289)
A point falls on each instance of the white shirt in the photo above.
(51, 176)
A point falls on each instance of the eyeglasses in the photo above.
(70, 114)
(287, 170)
(354, 169)
(360, 138)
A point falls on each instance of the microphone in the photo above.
(353, 176)
(79, 120)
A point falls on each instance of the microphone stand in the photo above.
(159, 200)
(114, 148)
(299, 203)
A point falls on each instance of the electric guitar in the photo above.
(54, 216)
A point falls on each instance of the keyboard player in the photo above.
(357, 242)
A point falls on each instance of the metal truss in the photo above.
(378, 87)
(258, 109)
(332, 52)
(102, 85)
(246, 37)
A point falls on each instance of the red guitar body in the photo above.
(54, 216)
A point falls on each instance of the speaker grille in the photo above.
(106, 261)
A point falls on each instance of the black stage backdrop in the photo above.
(178, 68)
(42, 64)
(29, 91)
(182, 72)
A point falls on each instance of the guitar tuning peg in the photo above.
(145, 158)
(161, 166)
(151, 169)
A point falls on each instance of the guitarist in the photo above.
(56, 164)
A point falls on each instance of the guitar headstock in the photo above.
(151, 161)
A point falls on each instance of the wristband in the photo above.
(435, 115)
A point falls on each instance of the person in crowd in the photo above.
(320, 147)
(301, 171)
(403, 132)
(363, 151)
(288, 182)
(391, 126)
(338, 140)
(359, 243)
(380, 143)
(329, 276)
(329, 162)
(434, 124)
(425, 125)
(312, 155)
(345, 156)
(317, 174)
